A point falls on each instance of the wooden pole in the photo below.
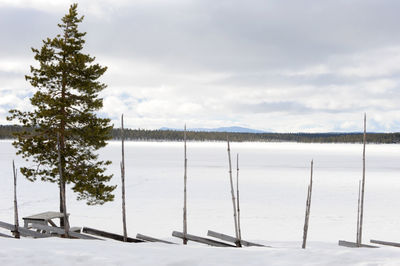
(358, 214)
(16, 223)
(62, 183)
(184, 191)
(308, 207)
(233, 196)
(237, 196)
(363, 182)
(305, 220)
(123, 179)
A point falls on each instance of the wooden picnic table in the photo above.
(44, 218)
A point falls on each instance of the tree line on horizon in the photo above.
(8, 131)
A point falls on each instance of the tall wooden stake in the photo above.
(238, 244)
(308, 206)
(358, 214)
(66, 224)
(123, 179)
(237, 196)
(363, 182)
(184, 191)
(16, 223)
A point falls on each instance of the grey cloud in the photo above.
(252, 57)
(224, 36)
(24, 28)
(248, 35)
(292, 107)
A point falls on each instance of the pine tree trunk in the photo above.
(61, 138)
(62, 188)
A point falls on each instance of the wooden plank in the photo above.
(23, 231)
(347, 244)
(202, 240)
(354, 245)
(61, 231)
(117, 237)
(232, 239)
(4, 235)
(152, 239)
(386, 243)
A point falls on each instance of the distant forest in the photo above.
(6, 132)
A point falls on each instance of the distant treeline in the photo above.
(6, 132)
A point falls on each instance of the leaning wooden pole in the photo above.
(123, 179)
(308, 207)
(62, 184)
(305, 228)
(233, 196)
(363, 182)
(237, 197)
(184, 191)
(358, 214)
(16, 223)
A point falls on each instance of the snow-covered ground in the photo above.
(273, 184)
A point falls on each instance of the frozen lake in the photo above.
(273, 179)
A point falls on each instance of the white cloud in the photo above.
(13, 65)
(309, 71)
(36, 4)
(373, 63)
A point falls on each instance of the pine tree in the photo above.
(65, 104)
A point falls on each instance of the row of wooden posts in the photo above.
(236, 202)
(237, 240)
(184, 235)
(236, 207)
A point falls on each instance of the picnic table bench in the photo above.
(44, 218)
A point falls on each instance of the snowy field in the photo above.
(273, 179)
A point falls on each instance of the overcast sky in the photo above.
(282, 66)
